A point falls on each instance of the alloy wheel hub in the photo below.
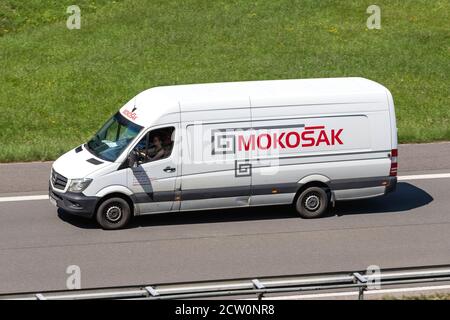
(312, 202)
(114, 213)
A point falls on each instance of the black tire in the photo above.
(113, 213)
(312, 202)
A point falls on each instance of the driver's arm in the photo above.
(158, 156)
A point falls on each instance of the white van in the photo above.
(239, 144)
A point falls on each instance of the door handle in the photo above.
(169, 169)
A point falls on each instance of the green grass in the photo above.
(58, 85)
(434, 296)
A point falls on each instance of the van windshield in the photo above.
(115, 135)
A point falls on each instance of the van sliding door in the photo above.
(215, 174)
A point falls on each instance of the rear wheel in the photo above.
(312, 202)
(113, 213)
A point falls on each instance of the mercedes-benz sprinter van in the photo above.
(307, 143)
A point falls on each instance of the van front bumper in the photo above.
(74, 203)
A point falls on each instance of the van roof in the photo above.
(229, 95)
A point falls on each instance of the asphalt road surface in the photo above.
(410, 227)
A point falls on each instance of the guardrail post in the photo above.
(362, 281)
(40, 296)
(258, 285)
(361, 292)
(151, 291)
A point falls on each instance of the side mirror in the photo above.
(132, 159)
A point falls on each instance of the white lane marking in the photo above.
(355, 293)
(424, 176)
(23, 198)
(400, 178)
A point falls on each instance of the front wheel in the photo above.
(113, 213)
(312, 203)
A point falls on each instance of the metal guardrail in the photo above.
(360, 281)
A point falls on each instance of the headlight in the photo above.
(78, 185)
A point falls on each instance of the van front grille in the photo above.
(58, 181)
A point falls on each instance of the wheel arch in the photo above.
(121, 195)
(312, 181)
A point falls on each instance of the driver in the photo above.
(158, 150)
(155, 153)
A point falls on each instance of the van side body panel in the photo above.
(275, 178)
(366, 143)
(208, 177)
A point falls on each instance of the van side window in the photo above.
(155, 145)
